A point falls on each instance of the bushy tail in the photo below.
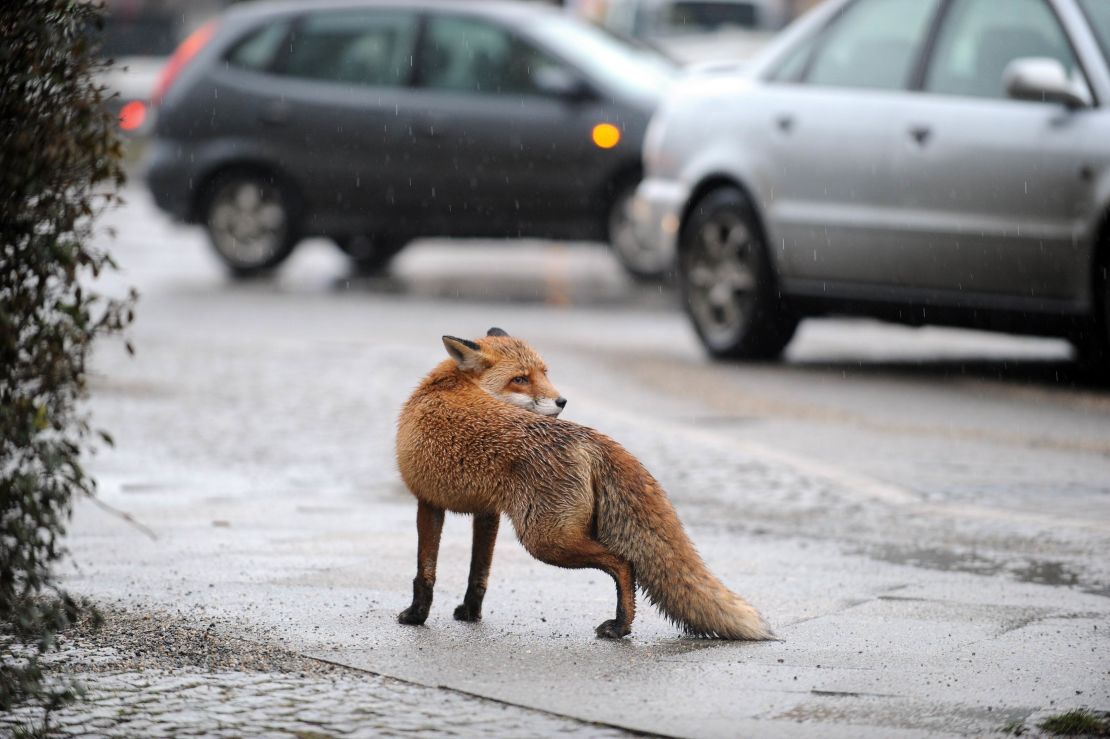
(636, 521)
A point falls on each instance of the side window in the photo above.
(367, 48)
(872, 45)
(977, 43)
(791, 67)
(470, 55)
(256, 50)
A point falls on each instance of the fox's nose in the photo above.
(561, 402)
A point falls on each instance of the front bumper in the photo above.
(657, 215)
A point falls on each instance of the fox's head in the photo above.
(508, 369)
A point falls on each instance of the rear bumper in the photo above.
(657, 215)
(170, 179)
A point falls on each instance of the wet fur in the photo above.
(575, 497)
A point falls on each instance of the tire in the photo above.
(639, 262)
(1093, 347)
(251, 222)
(371, 254)
(726, 281)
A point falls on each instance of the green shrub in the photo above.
(1078, 722)
(59, 166)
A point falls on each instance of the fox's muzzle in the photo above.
(549, 407)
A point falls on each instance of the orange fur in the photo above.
(575, 497)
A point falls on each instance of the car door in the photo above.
(493, 153)
(991, 190)
(832, 112)
(334, 111)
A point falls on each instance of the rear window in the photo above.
(256, 50)
(365, 48)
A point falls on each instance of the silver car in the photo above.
(923, 161)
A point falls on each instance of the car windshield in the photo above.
(633, 68)
(1098, 11)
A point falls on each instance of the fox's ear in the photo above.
(466, 354)
(497, 332)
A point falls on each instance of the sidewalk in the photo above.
(162, 674)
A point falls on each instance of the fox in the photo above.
(480, 435)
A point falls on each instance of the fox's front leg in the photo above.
(481, 556)
(429, 525)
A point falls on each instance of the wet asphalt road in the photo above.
(923, 515)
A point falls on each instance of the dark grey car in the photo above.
(373, 123)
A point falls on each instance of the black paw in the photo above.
(413, 616)
(466, 613)
(613, 629)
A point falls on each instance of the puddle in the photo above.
(1048, 573)
(100, 385)
(902, 712)
(719, 421)
(1040, 572)
(321, 509)
(145, 487)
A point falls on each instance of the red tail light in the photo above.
(132, 116)
(184, 53)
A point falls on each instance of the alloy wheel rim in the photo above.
(247, 222)
(721, 277)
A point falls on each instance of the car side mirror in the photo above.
(561, 83)
(1043, 79)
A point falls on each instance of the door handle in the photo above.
(921, 134)
(784, 122)
(275, 112)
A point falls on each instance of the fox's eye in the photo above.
(520, 380)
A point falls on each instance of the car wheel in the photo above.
(1094, 347)
(726, 280)
(250, 222)
(371, 254)
(640, 261)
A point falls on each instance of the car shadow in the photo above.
(514, 288)
(1044, 373)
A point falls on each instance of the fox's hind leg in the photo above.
(625, 578)
(429, 525)
(481, 557)
(583, 551)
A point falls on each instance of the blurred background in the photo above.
(378, 126)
